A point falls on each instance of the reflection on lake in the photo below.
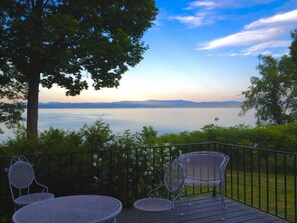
(164, 120)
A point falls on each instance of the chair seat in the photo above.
(30, 198)
(153, 204)
(202, 183)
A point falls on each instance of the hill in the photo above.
(140, 104)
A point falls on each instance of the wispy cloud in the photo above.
(204, 12)
(192, 21)
(258, 48)
(244, 38)
(203, 4)
(260, 35)
(288, 17)
(201, 13)
(158, 20)
(207, 4)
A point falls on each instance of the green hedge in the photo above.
(100, 136)
(274, 137)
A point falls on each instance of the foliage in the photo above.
(59, 42)
(12, 93)
(10, 114)
(23, 143)
(141, 166)
(96, 136)
(99, 136)
(293, 47)
(49, 141)
(275, 137)
(57, 140)
(93, 160)
(149, 136)
(274, 93)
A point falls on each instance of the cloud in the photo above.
(204, 4)
(257, 49)
(288, 17)
(244, 38)
(260, 35)
(192, 21)
(202, 10)
(205, 12)
(158, 20)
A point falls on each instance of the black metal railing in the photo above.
(262, 179)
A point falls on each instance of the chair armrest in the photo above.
(45, 188)
(153, 192)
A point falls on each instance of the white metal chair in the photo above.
(173, 181)
(205, 169)
(21, 176)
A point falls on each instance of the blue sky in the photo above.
(202, 50)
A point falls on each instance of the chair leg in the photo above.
(174, 211)
(174, 215)
(223, 205)
(223, 196)
(180, 208)
(223, 208)
(187, 195)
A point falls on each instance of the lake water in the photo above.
(164, 120)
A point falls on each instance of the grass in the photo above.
(266, 194)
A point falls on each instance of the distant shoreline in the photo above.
(143, 104)
(113, 107)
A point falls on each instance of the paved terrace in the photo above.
(202, 210)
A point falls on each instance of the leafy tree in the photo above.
(12, 91)
(293, 47)
(274, 94)
(63, 42)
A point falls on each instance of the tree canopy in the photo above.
(273, 95)
(47, 42)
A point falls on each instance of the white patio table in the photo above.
(70, 209)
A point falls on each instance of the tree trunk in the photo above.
(32, 108)
(35, 70)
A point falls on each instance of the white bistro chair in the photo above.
(21, 177)
(173, 181)
(205, 169)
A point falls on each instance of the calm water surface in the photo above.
(164, 120)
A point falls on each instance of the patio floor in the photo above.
(202, 210)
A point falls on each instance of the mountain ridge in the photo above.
(138, 104)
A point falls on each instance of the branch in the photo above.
(45, 3)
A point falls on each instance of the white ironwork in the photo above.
(205, 169)
(71, 209)
(20, 178)
(173, 181)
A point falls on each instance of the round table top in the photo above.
(153, 204)
(70, 209)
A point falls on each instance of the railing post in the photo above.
(295, 188)
(276, 187)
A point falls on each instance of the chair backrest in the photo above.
(20, 176)
(204, 165)
(20, 173)
(174, 177)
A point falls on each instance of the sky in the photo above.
(205, 50)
